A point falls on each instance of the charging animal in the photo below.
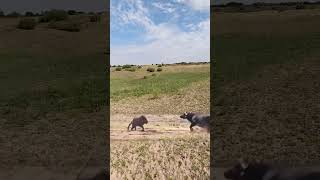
(258, 170)
(200, 120)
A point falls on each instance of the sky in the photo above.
(159, 31)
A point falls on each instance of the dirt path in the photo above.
(159, 126)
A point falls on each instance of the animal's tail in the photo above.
(129, 126)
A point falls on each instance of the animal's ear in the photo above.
(244, 163)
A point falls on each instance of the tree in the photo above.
(29, 14)
(13, 14)
(234, 4)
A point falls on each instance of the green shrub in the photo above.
(72, 12)
(13, 14)
(145, 77)
(300, 6)
(131, 69)
(54, 15)
(118, 69)
(159, 69)
(153, 74)
(27, 23)
(139, 67)
(150, 69)
(29, 14)
(126, 66)
(159, 65)
(66, 26)
(94, 18)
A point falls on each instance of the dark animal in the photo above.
(200, 120)
(101, 175)
(257, 170)
(138, 121)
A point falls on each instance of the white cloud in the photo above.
(166, 42)
(196, 4)
(165, 7)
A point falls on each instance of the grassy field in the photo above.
(266, 79)
(166, 149)
(174, 158)
(53, 92)
(243, 43)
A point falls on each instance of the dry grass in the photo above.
(166, 149)
(267, 81)
(33, 63)
(170, 158)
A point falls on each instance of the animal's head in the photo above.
(245, 170)
(144, 119)
(187, 115)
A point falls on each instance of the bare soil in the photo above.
(159, 126)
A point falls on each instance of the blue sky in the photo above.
(159, 31)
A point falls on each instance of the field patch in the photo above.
(165, 150)
(143, 83)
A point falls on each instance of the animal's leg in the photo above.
(133, 127)
(192, 124)
(142, 128)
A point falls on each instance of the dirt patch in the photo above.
(159, 126)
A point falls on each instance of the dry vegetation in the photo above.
(52, 106)
(174, 158)
(266, 87)
(166, 149)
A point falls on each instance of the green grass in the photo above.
(240, 56)
(50, 84)
(166, 83)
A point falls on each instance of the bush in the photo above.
(153, 74)
(95, 18)
(139, 67)
(234, 4)
(118, 69)
(2, 14)
(131, 69)
(126, 66)
(27, 24)
(13, 14)
(54, 15)
(159, 65)
(72, 12)
(29, 14)
(159, 69)
(300, 6)
(66, 26)
(145, 77)
(150, 69)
